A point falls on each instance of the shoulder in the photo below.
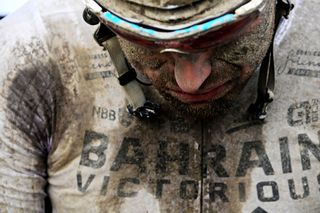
(46, 48)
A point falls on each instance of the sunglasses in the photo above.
(195, 38)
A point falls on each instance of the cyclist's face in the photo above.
(205, 83)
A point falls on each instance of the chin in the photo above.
(203, 110)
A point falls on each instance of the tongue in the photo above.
(191, 71)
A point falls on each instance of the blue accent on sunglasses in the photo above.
(228, 18)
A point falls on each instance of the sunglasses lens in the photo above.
(197, 42)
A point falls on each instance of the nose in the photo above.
(191, 70)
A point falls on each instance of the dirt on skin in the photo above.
(237, 59)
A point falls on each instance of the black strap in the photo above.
(267, 70)
(127, 77)
(102, 34)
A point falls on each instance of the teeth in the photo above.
(250, 7)
(92, 5)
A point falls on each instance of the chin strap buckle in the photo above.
(148, 110)
(260, 108)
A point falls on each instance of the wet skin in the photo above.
(205, 83)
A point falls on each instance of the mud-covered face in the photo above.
(205, 84)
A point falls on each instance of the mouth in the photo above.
(202, 96)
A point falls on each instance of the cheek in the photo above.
(163, 74)
(251, 47)
(151, 74)
(136, 55)
(246, 72)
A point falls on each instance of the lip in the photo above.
(202, 96)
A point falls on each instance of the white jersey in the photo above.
(65, 133)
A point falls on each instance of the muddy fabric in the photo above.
(65, 133)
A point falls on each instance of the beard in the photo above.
(208, 109)
(212, 109)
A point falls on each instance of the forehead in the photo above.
(170, 13)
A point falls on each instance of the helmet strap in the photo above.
(266, 79)
(137, 106)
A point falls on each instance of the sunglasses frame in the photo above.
(153, 34)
